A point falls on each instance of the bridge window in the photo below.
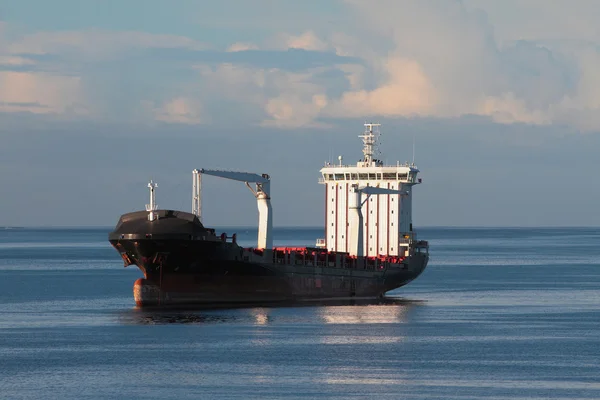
(354, 176)
(389, 175)
(339, 177)
(363, 176)
(372, 176)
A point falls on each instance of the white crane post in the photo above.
(265, 220)
(356, 221)
(355, 208)
(197, 194)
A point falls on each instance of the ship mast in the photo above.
(152, 206)
(369, 138)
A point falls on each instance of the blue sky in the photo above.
(97, 97)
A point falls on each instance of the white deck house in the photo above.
(386, 218)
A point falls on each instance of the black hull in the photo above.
(196, 267)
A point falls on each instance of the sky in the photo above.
(501, 98)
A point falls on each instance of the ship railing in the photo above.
(314, 257)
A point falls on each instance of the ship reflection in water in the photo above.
(381, 311)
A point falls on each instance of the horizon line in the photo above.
(9, 227)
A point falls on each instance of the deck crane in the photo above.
(356, 218)
(261, 192)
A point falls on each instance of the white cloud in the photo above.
(40, 93)
(14, 61)
(432, 58)
(180, 110)
(406, 91)
(97, 44)
(276, 97)
(464, 70)
(58, 88)
(541, 20)
(240, 46)
(306, 41)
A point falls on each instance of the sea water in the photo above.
(497, 314)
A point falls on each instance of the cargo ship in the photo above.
(369, 248)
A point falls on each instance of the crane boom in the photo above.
(236, 176)
(262, 194)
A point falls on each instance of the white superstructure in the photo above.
(386, 226)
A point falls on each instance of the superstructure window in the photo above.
(363, 176)
(354, 176)
(389, 175)
(372, 176)
(339, 177)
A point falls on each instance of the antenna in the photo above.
(413, 161)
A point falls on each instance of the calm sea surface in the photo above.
(498, 314)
